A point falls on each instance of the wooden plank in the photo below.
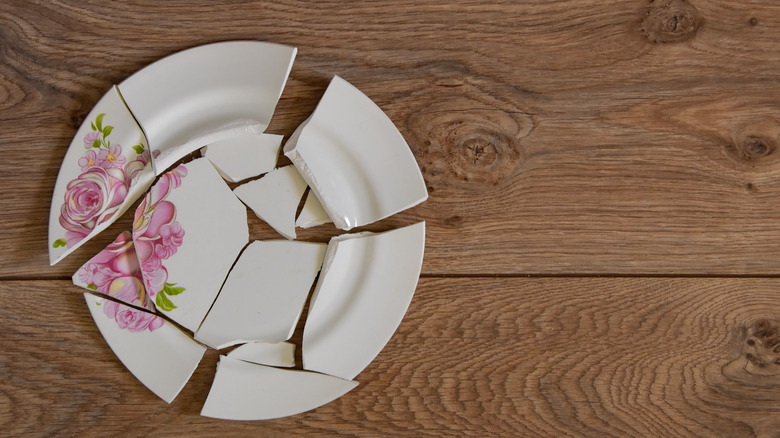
(556, 137)
(473, 357)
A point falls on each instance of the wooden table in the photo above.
(603, 241)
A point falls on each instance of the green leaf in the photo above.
(92, 124)
(139, 149)
(96, 144)
(107, 131)
(58, 243)
(163, 303)
(99, 121)
(171, 290)
(91, 287)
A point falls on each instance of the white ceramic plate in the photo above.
(354, 159)
(246, 391)
(244, 156)
(366, 285)
(261, 353)
(205, 94)
(264, 294)
(188, 231)
(158, 354)
(104, 171)
(115, 271)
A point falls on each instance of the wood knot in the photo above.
(751, 150)
(474, 148)
(762, 351)
(671, 21)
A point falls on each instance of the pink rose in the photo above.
(88, 160)
(130, 289)
(90, 138)
(112, 157)
(172, 236)
(90, 199)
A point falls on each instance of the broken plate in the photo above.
(366, 285)
(264, 294)
(354, 159)
(157, 353)
(244, 156)
(313, 214)
(205, 94)
(246, 391)
(274, 198)
(281, 354)
(188, 231)
(104, 171)
(115, 271)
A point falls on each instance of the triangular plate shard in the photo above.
(244, 156)
(366, 285)
(188, 231)
(107, 167)
(156, 352)
(246, 391)
(115, 271)
(264, 294)
(206, 94)
(354, 159)
(313, 214)
(274, 198)
(281, 354)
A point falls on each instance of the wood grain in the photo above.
(473, 357)
(555, 137)
(637, 139)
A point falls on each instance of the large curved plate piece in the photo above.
(366, 285)
(104, 171)
(354, 159)
(206, 94)
(158, 354)
(246, 391)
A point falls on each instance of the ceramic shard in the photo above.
(281, 354)
(264, 294)
(106, 168)
(313, 214)
(366, 285)
(206, 94)
(244, 156)
(187, 232)
(354, 159)
(246, 391)
(157, 353)
(274, 198)
(115, 271)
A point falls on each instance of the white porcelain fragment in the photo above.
(354, 159)
(246, 391)
(104, 171)
(313, 214)
(187, 232)
(115, 271)
(281, 354)
(244, 156)
(264, 294)
(366, 285)
(157, 353)
(274, 198)
(205, 94)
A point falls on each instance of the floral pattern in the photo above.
(158, 235)
(115, 271)
(98, 192)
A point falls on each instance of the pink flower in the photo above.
(172, 236)
(90, 138)
(90, 199)
(112, 157)
(130, 289)
(88, 160)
